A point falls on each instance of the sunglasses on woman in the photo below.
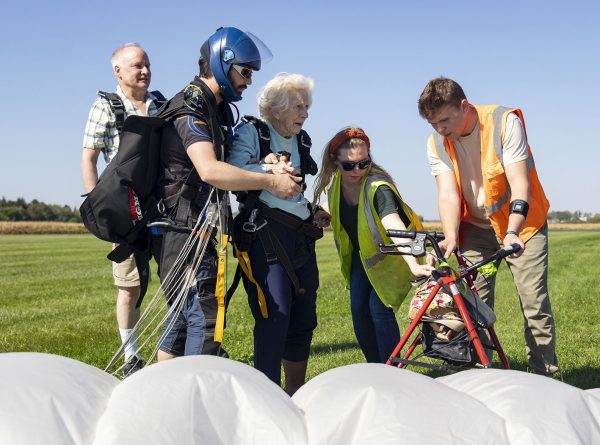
(349, 166)
(246, 73)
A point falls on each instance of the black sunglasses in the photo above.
(349, 166)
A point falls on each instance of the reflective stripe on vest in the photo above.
(495, 116)
(373, 229)
(388, 274)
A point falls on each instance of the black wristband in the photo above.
(519, 206)
(511, 232)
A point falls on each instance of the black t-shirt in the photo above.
(183, 131)
(385, 204)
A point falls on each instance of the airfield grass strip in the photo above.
(57, 296)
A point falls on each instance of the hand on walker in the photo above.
(511, 239)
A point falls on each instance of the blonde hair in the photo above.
(115, 59)
(331, 154)
(276, 95)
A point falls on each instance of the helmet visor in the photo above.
(265, 53)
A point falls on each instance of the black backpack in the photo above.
(124, 200)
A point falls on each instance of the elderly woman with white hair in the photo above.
(274, 238)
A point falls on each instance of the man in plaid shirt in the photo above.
(131, 67)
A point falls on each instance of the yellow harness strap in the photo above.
(220, 289)
(247, 269)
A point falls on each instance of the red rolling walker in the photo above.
(450, 279)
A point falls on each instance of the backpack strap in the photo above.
(159, 99)
(264, 134)
(116, 106)
(307, 163)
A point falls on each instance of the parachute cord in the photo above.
(176, 284)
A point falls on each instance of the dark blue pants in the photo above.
(375, 324)
(193, 329)
(287, 332)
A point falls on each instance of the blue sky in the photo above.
(369, 60)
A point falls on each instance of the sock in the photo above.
(132, 347)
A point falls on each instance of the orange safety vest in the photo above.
(492, 123)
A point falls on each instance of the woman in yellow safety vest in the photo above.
(363, 202)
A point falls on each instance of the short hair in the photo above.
(116, 55)
(438, 93)
(277, 94)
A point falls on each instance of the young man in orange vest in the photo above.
(489, 196)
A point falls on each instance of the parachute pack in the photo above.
(124, 200)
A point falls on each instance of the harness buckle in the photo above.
(160, 206)
(250, 226)
(115, 103)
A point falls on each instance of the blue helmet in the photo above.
(226, 47)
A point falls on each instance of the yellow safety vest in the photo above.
(388, 274)
(492, 124)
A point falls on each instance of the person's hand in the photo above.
(511, 239)
(322, 218)
(285, 186)
(421, 270)
(282, 167)
(277, 164)
(447, 246)
(271, 158)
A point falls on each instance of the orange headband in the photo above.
(343, 136)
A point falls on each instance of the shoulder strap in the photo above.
(116, 106)
(159, 100)
(264, 135)
(307, 163)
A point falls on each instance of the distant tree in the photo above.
(20, 210)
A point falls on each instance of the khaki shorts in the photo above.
(125, 274)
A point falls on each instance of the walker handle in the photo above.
(392, 233)
(508, 250)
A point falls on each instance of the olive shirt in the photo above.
(385, 204)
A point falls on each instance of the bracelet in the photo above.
(511, 232)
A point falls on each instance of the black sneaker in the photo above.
(134, 364)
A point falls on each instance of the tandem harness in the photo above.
(179, 203)
(254, 218)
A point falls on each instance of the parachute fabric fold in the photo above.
(49, 399)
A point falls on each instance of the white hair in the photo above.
(115, 59)
(277, 94)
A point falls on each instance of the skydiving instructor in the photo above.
(193, 150)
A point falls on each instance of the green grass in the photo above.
(56, 296)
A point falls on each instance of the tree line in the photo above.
(21, 210)
(565, 216)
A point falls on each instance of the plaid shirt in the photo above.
(101, 130)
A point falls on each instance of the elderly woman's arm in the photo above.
(245, 150)
(245, 153)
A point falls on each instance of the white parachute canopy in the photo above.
(376, 403)
(200, 400)
(48, 399)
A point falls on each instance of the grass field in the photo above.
(56, 296)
